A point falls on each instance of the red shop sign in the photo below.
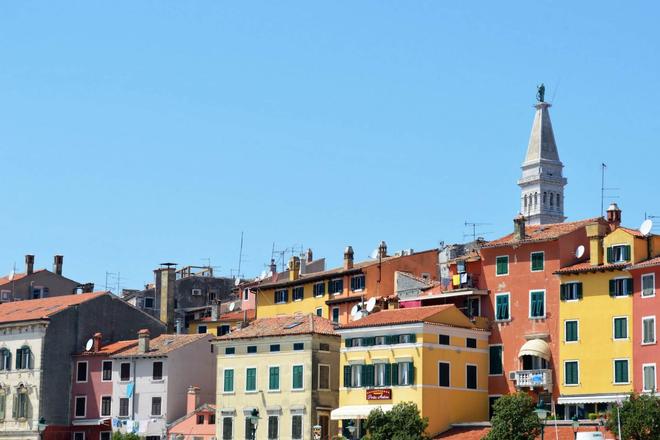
(379, 394)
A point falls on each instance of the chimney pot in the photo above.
(273, 267)
(97, 342)
(58, 261)
(294, 268)
(613, 216)
(143, 341)
(519, 227)
(348, 258)
(382, 250)
(192, 401)
(29, 264)
(310, 255)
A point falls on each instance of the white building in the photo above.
(151, 380)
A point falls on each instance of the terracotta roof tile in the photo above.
(17, 276)
(648, 263)
(633, 232)
(585, 267)
(233, 316)
(398, 316)
(110, 349)
(35, 309)
(537, 233)
(162, 345)
(284, 326)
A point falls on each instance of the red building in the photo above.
(198, 423)
(646, 311)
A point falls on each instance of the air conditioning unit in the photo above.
(512, 375)
(197, 292)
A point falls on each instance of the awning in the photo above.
(356, 411)
(535, 347)
(89, 422)
(591, 398)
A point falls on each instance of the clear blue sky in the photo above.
(134, 133)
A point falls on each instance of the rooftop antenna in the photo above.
(474, 233)
(240, 256)
(603, 189)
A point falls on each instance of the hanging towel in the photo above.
(456, 280)
(464, 278)
(129, 390)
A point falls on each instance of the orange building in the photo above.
(198, 423)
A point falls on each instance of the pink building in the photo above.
(91, 391)
(197, 424)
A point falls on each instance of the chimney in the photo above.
(143, 341)
(310, 255)
(57, 264)
(595, 232)
(29, 264)
(193, 399)
(165, 286)
(214, 312)
(613, 216)
(294, 268)
(273, 267)
(97, 342)
(382, 250)
(348, 258)
(519, 227)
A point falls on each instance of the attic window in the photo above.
(292, 325)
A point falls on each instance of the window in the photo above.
(335, 314)
(228, 386)
(81, 407)
(571, 331)
(250, 379)
(227, 428)
(148, 302)
(155, 406)
(298, 293)
(621, 287)
(324, 346)
(319, 289)
(81, 371)
(471, 377)
(281, 296)
(354, 376)
(157, 371)
(246, 294)
(620, 328)
(319, 311)
(200, 419)
(211, 419)
(125, 372)
(3, 403)
(248, 429)
(620, 371)
(406, 373)
(357, 283)
(230, 350)
(382, 374)
(274, 347)
(24, 358)
(537, 304)
(5, 295)
(196, 292)
(470, 343)
(571, 373)
(648, 374)
(21, 403)
(273, 429)
(502, 307)
(223, 330)
(502, 265)
(648, 284)
(537, 261)
(252, 349)
(78, 436)
(274, 378)
(298, 346)
(324, 377)
(106, 371)
(648, 330)
(297, 377)
(618, 254)
(443, 374)
(5, 360)
(443, 339)
(495, 360)
(123, 407)
(296, 427)
(336, 286)
(201, 329)
(106, 405)
(105, 435)
(570, 291)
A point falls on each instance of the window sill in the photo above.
(537, 318)
(297, 300)
(274, 391)
(571, 342)
(228, 393)
(621, 383)
(501, 321)
(496, 375)
(297, 390)
(251, 392)
(501, 275)
(649, 343)
(157, 380)
(571, 384)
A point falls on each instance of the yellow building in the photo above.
(433, 356)
(284, 369)
(596, 319)
(222, 324)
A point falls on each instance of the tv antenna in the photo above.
(603, 189)
(294, 250)
(474, 232)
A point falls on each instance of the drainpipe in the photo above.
(134, 387)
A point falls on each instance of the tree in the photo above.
(402, 422)
(129, 436)
(514, 419)
(640, 418)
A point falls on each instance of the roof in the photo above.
(540, 233)
(398, 316)
(586, 266)
(162, 345)
(338, 271)
(196, 429)
(648, 263)
(233, 316)
(110, 349)
(38, 309)
(633, 232)
(541, 144)
(283, 326)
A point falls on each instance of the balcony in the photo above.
(532, 378)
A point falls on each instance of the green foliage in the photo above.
(402, 422)
(640, 418)
(119, 436)
(514, 419)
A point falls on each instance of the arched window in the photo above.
(558, 203)
(536, 198)
(24, 358)
(5, 359)
(21, 403)
(545, 194)
(525, 200)
(3, 403)
(552, 199)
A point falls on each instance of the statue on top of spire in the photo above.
(540, 93)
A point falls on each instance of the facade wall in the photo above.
(57, 285)
(94, 388)
(645, 306)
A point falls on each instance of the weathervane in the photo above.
(540, 93)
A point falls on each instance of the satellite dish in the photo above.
(357, 317)
(237, 282)
(11, 275)
(645, 229)
(371, 304)
(355, 311)
(263, 275)
(89, 344)
(374, 254)
(232, 306)
(579, 251)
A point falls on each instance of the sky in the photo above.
(135, 133)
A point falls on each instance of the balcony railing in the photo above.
(532, 378)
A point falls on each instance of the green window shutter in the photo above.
(388, 375)
(626, 252)
(395, 374)
(579, 290)
(413, 338)
(349, 342)
(411, 373)
(274, 379)
(629, 286)
(369, 377)
(562, 292)
(495, 360)
(612, 287)
(347, 376)
(297, 376)
(14, 408)
(609, 255)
